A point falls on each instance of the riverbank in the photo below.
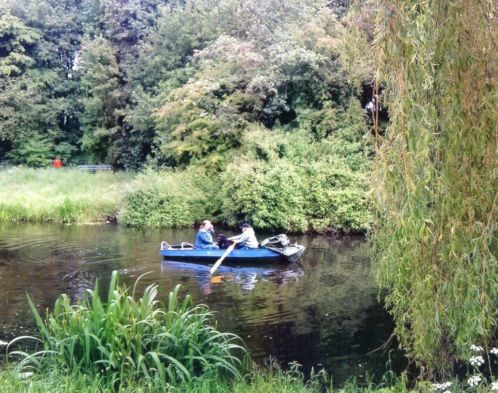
(258, 381)
(179, 199)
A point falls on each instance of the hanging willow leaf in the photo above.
(438, 165)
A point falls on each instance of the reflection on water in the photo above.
(322, 312)
(244, 276)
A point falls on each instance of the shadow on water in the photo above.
(322, 312)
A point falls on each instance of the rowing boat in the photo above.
(189, 254)
(186, 252)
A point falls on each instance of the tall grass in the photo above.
(123, 340)
(437, 176)
(257, 381)
(67, 195)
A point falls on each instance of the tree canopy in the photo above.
(165, 83)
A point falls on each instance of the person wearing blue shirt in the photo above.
(204, 237)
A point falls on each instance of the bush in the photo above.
(271, 197)
(152, 209)
(290, 181)
(125, 340)
(164, 199)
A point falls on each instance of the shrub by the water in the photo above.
(291, 181)
(164, 199)
(271, 196)
(123, 340)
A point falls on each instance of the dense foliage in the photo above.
(274, 193)
(123, 340)
(168, 82)
(296, 183)
(192, 84)
(436, 176)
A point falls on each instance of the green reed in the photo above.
(122, 339)
(436, 177)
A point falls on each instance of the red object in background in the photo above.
(57, 163)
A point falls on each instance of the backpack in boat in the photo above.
(279, 242)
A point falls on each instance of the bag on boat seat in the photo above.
(281, 244)
(279, 241)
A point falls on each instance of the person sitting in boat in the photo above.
(247, 239)
(204, 237)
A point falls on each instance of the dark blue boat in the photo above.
(186, 252)
(189, 254)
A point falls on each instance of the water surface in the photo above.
(320, 313)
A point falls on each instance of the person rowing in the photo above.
(247, 239)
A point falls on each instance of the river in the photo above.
(321, 313)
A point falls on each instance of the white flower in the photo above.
(475, 348)
(494, 351)
(3, 343)
(474, 381)
(441, 386)
(447, 391)
(494, 385)
(476, 361)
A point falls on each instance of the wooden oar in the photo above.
(219, 261)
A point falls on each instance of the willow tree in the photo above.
(437, 175)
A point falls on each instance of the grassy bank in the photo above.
(257, 382)
(68, 195)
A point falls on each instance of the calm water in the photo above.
(322, 313)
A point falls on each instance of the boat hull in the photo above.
(251, 255)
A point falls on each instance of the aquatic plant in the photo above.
(436, 176)
(122, 340)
